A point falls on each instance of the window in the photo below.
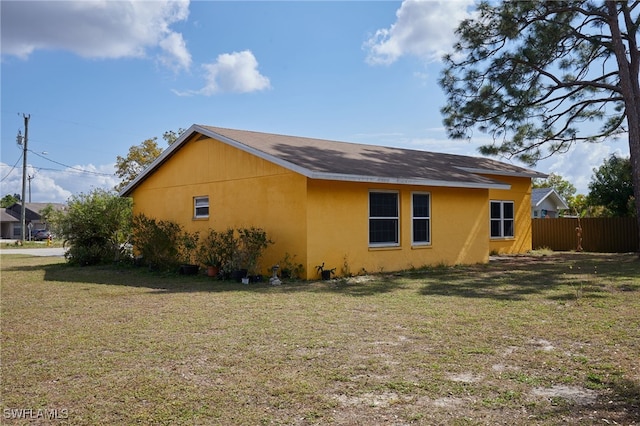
(502, 220)
(200, 207)
(421, 209)
(383, 218)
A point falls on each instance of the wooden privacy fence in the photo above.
(599, 234)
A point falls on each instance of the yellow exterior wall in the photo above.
(520, 194)
(324, 221)
(243, 191)
(338, 219)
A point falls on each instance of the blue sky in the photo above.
(98, 77)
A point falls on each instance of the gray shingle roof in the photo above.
(538, 195)
(333, 160)
(5, 216)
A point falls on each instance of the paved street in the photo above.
(44, 251)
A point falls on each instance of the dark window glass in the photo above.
(507, 210)
(420, 205)
(383, 231)
(383, 218)
(496, 210)
(383, 204)
(508, 228)
(421, 230)
(496, 228)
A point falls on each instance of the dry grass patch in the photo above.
(528, 339)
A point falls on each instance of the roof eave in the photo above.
(524, 173)
(406, 181)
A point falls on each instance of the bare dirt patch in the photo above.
(575, 394)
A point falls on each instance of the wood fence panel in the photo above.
(604, 235)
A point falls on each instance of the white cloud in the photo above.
(56, 186)
(423, 28)
(578, 163)
(176, 54)
(235, 72)
(96, 29)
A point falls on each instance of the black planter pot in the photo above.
(239, 274)
(189, 269)
(326, 275)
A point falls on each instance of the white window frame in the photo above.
(395, 243)
(200, 203)
(502, 219)
(426, 218)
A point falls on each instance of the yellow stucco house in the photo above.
(350, 206)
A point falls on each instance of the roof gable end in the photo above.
(539, 195)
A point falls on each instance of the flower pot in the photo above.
(212, 271)
(326, 275)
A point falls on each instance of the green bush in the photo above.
(156, 242)
(96, 228)
(165, 245)
(217, 249)
(252, 242)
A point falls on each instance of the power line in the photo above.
(12, 168)
(37, 168)
(70, 167)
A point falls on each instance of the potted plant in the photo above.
(290, 269)
(251, 245)
(325, 274)
(187, 247)
(211, 252)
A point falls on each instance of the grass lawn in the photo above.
(523, 340)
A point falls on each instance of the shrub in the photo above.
(96, 227)
(163, 244)
(217, 249)
(156, 242)
(289, 268)
(188, 247)
(252, 242)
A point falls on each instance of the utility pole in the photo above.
(23, 141)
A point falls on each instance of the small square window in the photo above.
(201, 207)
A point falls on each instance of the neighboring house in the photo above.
(354, 207)
(546, 203)
(10, 224)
